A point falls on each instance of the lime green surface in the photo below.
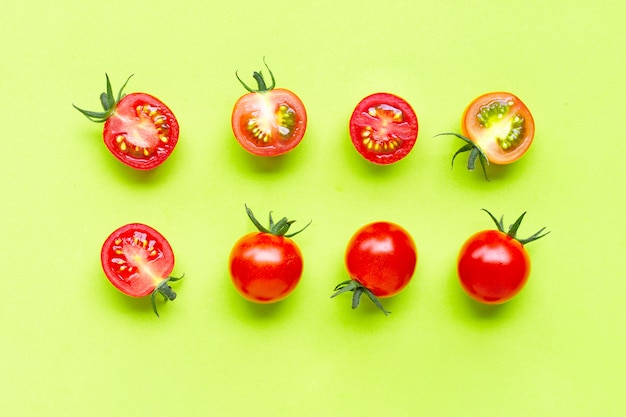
(72, 345)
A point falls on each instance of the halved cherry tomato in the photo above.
(497, 128)
(493, 265)
(139, 129)
(383, 128)
(268, 121)
(138, 261)
(380, 259)
(266, 266)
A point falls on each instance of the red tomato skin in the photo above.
(404, 132)
(159, 264)
(126, 118)
(493, 267)
(267, 103)
(265, 268)
(382, 257)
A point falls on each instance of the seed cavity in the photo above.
(151, 131)
(284, 119)
(379, 137)
(497, 112)
(132, 252)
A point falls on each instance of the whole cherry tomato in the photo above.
(383, 128)
(380, 259)
(266, 266)
(139, 129)
(268, 121)
(138, 261)
(497, 128)
(493, 265)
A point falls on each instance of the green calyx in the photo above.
(165, 290)
(280, 228)
(258, 76)
(108, 101)
(357, 291)
(512, 232)
(476, 153)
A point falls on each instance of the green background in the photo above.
(72, 345)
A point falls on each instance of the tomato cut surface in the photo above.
(141, 132)
(268, 121)
(137, 259)
(139, 129)
(383, 128)
(501, 125)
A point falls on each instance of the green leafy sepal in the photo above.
(165, 290)
(108, 101)
(280, 228)
(357, 291)
(475, 153)
(512, 231)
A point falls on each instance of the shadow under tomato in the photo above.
(266, 163)
(262, 310)
(251, 311)
(484, 310)
(126, 173)
(255, 163)
(468, 305)
(115, 301)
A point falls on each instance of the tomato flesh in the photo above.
(269, 123)
(381, 256)
(136, 259)
(501, 125)
(142, 131)
(493, 267)
(265, 268)
(383, 128)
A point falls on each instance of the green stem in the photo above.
(512, 232)
(165, 290)
(357, 291)
(258, 76)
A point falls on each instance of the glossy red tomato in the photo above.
(139, 129)
(266, 266)
(380, 259)
(138, 261)
(383, 128)
(497, 128)
(268, 121)
(493, 265)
